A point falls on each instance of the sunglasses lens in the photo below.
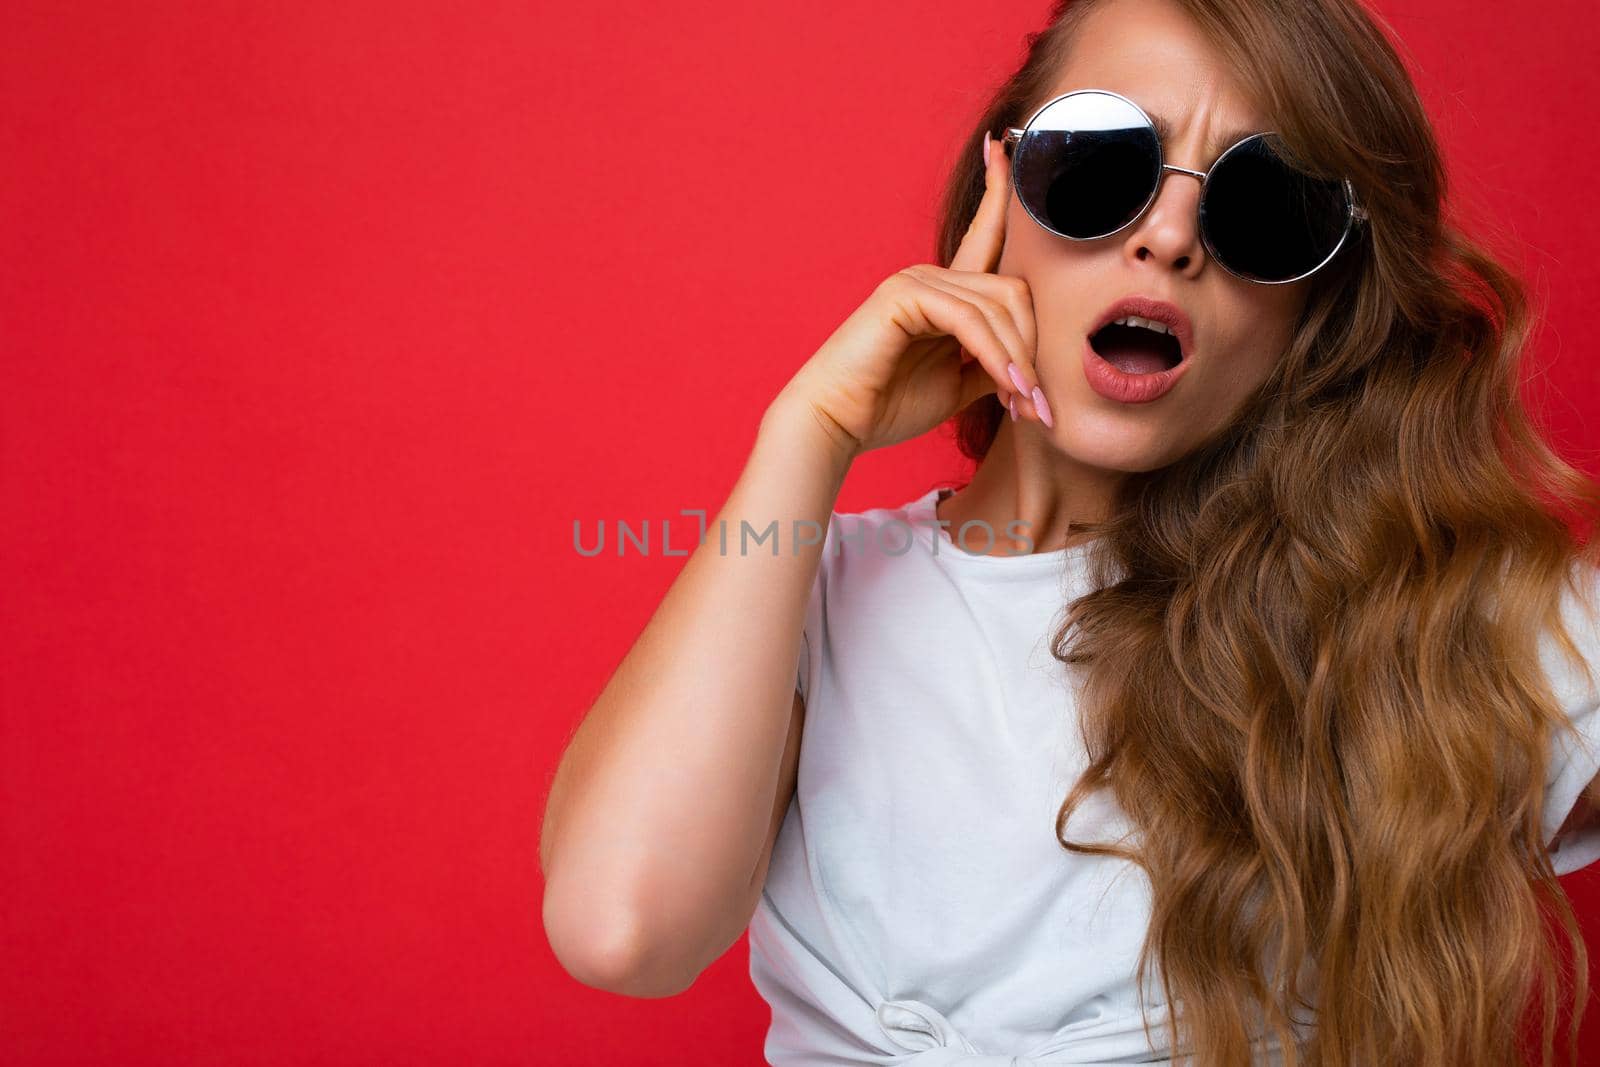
(1267, 220)
(1087, 165)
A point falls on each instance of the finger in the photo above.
(986, 233)
(1010, 293)
(1005, 328)
(921, 309)
(1016, 296)
(1004, 300)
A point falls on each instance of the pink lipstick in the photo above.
(1129, 386)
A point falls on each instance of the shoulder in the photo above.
(1578, 609)
(1571, 819)
(857, 540)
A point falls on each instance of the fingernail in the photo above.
(1042, 408)
(1016, 378)
(985, 149)
(1012, 404)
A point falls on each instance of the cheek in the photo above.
(1026, 246)
(1247, 363)
(1061, 278)
(1267, 320)
(1233, 371)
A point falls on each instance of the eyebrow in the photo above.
(1226, 139)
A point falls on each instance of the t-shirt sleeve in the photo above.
(800, 684)
(1575, 756)
(811, 635)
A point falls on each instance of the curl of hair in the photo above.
(1309, 661)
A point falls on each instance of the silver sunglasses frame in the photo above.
(1355, 214)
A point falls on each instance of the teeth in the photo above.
(1149, 324)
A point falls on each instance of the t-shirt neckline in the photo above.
(923, 512)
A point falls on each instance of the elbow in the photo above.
(609, 954)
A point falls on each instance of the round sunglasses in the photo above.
(1089, 164)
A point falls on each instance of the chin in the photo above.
(1117, 459)
(1108, 447)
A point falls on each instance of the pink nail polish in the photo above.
(1013, 406)
(985, 149)
(1016, 378)
(1042, 408)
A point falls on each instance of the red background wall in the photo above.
(321, 323)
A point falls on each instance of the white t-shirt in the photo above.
(918, 908)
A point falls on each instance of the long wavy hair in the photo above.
(1310, 671)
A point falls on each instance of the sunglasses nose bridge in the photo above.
(1185, 170)
(1200, 175)
(1161, 179)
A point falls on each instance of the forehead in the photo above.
(1152, 53)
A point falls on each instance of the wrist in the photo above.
(799, 427)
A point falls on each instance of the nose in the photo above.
(1169, 231)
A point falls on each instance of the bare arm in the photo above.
(661, 817)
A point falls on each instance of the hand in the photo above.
(898, 365)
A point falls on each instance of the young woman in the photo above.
(1238, 708)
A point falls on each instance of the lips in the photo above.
(1168, 314)
(1114, 383)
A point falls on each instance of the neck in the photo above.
(1023, 479)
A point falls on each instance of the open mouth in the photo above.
(1133, 347)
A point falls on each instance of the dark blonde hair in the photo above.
(1311, 673)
